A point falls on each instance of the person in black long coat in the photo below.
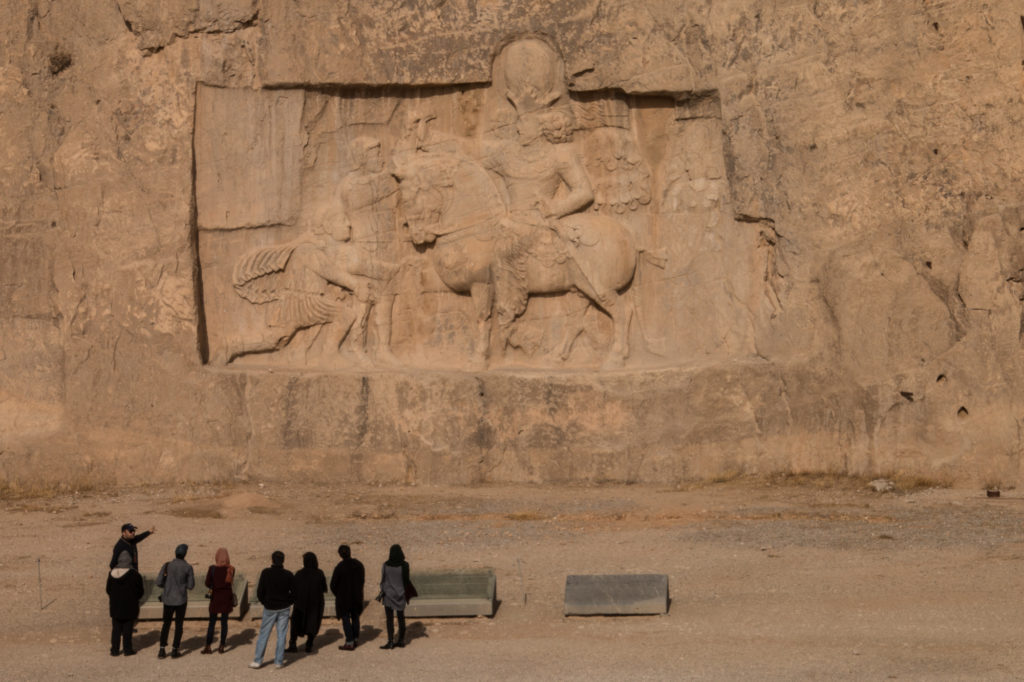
(347, 585)
(309, 587)
(124, 585)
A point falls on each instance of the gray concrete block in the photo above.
(453, 593)
(616, 595)
(151, 608)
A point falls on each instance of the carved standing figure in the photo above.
(368, 194)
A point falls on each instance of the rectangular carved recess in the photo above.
(514, 224)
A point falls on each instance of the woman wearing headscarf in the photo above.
(309, 587)
(395, 592)
(219, 579)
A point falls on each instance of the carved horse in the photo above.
(452, 208)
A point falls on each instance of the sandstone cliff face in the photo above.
(830, 203)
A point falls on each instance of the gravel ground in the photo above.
(813, 578)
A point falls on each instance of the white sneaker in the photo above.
(279, 665)
(254, 665)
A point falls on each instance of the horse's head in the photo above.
(444, 193)
(424, 193)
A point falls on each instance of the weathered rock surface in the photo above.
(824, 199)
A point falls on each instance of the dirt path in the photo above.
(811, 580)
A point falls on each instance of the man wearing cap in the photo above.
(127, 543)
(177, 578)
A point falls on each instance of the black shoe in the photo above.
(309, 648)
(292, 649)
(129, 652)
(162, 654)
(175, 653)
(115, 652)
(399, 645)
(389, 645)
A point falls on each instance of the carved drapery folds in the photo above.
(513, 225)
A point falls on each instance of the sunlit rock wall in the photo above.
(463, 242)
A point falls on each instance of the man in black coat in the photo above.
(347, 587)
(124, 586)
(127, 543)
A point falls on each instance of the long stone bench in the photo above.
(616, 595)
(151, 608)
(452, 593)
(441, 594)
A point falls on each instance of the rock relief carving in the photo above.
(516, 224)
(622, 180)
(368, 194)
(533, 238)
(320, 281)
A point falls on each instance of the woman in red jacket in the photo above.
(222, 602)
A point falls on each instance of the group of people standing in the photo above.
(176, 577)
(285, 596)
(303, 595)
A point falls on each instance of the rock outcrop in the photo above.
(466, 241)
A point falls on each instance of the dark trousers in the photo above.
(350, 624)
(223, 628)
(390, 613)
(179, 618)
(121, 630)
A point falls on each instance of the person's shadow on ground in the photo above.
(327, 638)
(194, 643)
(243, 638)
(368, 633)
(145, 639)
(415, 630)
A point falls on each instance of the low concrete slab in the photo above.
(453, 593)
(151, 608)
(441, 594)
(616, 595)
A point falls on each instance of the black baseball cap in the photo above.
(128, 526)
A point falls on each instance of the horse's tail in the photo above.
(255, 274)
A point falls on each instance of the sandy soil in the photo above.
(769, 579)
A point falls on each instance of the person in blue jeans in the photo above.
(274, 591)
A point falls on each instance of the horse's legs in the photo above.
(482, 294)
(602, 299)
(621, 316)
(574, 329)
